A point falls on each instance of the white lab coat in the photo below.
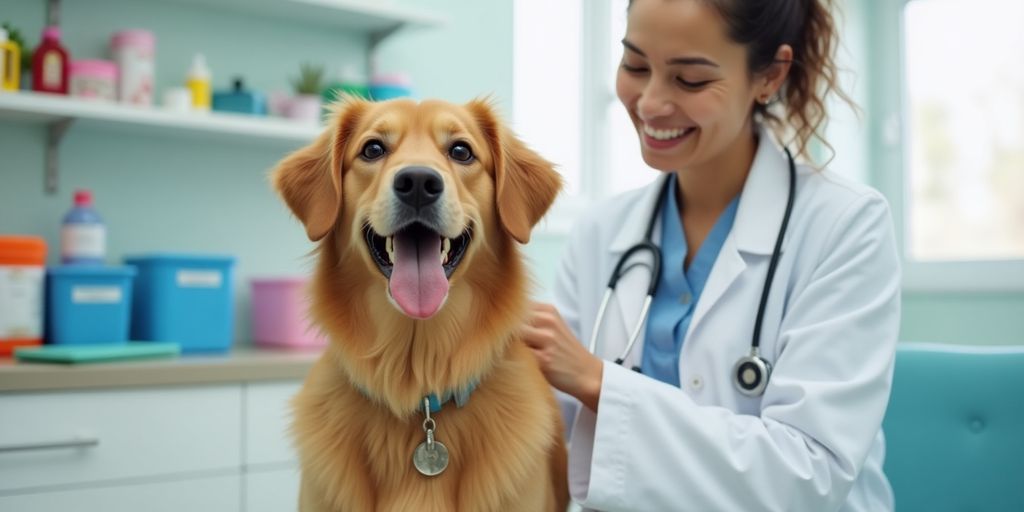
(813, 441)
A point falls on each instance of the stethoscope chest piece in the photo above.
(751, 374)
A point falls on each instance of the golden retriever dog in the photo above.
(418, 208)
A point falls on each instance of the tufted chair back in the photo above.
(955, 428)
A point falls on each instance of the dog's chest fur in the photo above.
(499, 446)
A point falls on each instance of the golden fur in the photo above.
(356, 418)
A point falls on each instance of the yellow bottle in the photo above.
(10, 63)
(198, 82)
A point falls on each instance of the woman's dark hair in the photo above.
(807, 26)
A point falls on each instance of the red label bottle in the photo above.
(50, 64)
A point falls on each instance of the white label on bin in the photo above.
(95, 294)
(199, 279)
(21, 302)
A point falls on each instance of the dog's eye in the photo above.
(460, 152)
(372, 150)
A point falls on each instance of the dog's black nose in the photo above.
(418, 186)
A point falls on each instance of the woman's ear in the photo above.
(309, 180)
(775, 75)
(526, 184)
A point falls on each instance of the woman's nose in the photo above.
(654, 102)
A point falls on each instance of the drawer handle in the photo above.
(78, 442)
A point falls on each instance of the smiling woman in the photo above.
(763, 347)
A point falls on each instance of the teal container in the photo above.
(186, 299)
(240, 101)
(389, 87)
(88, 304)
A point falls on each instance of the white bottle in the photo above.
(83, 235)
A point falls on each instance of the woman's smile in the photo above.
(665, 138)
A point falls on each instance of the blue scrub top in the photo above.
(679, 288)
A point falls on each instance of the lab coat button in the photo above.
(696, 382)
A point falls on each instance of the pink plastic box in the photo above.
(279, 314)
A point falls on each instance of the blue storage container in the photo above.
(184, 298)
(88, 304)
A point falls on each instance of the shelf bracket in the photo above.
(54, 134)
(376, 38)
(53, 12)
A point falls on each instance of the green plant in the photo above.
(310, 79)
(15, 36)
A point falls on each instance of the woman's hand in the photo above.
(565, 362)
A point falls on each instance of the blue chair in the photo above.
(955, 428)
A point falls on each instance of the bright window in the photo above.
(964, 118)
(566, 56)
(547, 75)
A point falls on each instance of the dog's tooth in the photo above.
(389, 247)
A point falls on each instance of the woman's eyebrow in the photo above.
(684, 61)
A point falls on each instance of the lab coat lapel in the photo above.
(624, 313)
(758, 216)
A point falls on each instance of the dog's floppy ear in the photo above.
(525, 183)
(309, 180)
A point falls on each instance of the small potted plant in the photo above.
(305, 106)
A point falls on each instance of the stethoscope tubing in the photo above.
(647, 244)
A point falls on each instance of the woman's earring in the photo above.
(765, 100)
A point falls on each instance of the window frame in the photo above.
(890, 165)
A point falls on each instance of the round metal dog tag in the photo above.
(430, 461)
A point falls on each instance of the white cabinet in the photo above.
(267, 420)
(215, 494)
(272, 491)
(271, 480)
(175, 448)
(138, 432)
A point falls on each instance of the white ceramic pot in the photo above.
(305, 107)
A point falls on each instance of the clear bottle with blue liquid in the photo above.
(83, 235)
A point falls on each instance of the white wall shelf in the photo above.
(59, 112)
(48, 108)
(376, 18)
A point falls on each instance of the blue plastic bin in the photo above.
(88, 304)
(184, 298)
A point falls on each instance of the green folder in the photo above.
(70, 354)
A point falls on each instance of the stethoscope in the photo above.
(751, 372)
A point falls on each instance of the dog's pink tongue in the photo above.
(418, 283)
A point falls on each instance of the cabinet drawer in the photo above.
(272, 491)
(217, 494)
(268, 416)
(137, 432)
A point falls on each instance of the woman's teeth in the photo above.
(665, 134)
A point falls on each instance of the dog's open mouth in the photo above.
(418, 262)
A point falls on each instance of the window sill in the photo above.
(964, 276)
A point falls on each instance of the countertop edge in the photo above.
(240, 366)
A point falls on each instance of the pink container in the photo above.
(93, 80)
(279, 315)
